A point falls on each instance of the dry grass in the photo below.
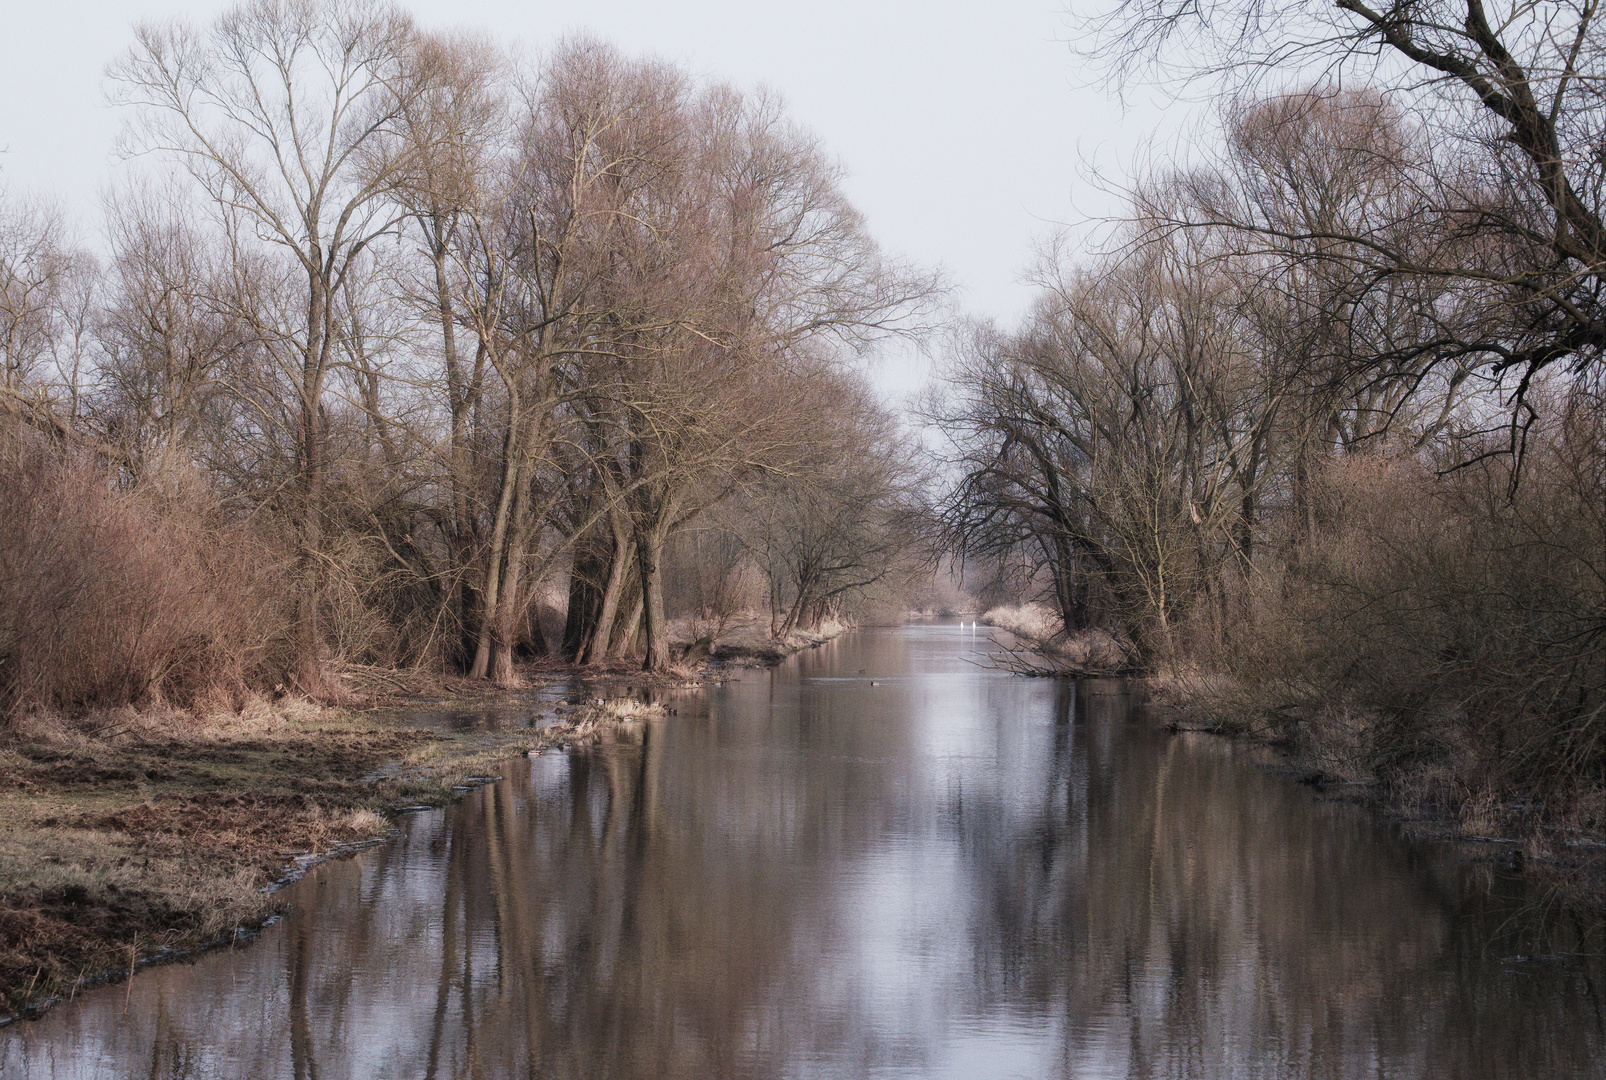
(744, 639)
(630, 709)
(1441, 637)
(1032, 621)
(1449, 635)
(156, 830)
(1087, 652)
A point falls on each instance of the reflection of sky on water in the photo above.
(924, 869)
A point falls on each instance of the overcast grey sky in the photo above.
(965, 127)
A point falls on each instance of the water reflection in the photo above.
(880, 860)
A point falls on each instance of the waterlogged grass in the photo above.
(136, 836)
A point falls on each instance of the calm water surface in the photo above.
(879, 860)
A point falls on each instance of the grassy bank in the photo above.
(141, 835)
(137, 835)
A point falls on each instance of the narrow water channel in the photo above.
(878, 860)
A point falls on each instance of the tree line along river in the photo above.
(881, 859)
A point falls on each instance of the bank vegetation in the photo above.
(399, 351)
(1317, 434)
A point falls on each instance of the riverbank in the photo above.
(746, 642)
(1041, 647)
(1561, 848)
(137, 836)
(1435, 791)
(147, 835)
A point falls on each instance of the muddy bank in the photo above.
(161, 834)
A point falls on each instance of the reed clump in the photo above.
(114, 594)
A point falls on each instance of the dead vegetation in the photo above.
(743, 639)
(1442, 634)
(151, 834)
(110, 597)
(1338, 491)
(1040, 644)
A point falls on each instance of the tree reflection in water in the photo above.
(952, 873)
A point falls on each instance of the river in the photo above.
(881, 859)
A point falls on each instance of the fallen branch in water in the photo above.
(1036, 661)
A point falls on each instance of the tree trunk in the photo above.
(1073, 611)
(590, 567)
(497, 553)
(805, 586)
(504, 638)
(775, 603)
(655, 643)
(618, 571)
(309, 673)
(627, 630)
(461, 391)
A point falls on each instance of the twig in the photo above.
(1036, 663)
(133, 957)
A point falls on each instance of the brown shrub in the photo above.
(111, 597)
(1445, 630)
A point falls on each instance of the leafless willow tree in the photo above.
(444, 330)
(170, 335)
(287, 115)
(458, 128)
(1307, 188)
(736, 268)
(1119, 435)
(843, 521)
(1511, 96)
(47, 296)
(1162, 395)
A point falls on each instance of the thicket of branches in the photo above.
(1326, 414)
(432, 334)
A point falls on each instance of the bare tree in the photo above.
(734, 268)
(36, 268)
(1123, 435)
(48, 297)
(843, 521)
(1308, 187)
(1516, 93)
(167, 333)
(286, 114)
(460, 126)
